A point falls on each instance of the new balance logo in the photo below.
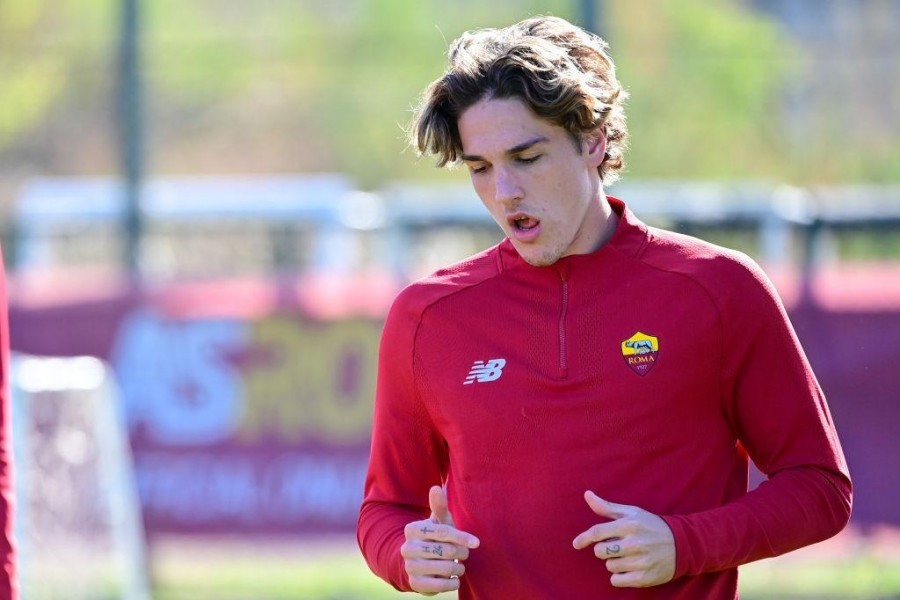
(486, 371)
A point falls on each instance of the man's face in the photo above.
(530, 175)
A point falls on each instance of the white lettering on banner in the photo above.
(174, 379)
(197, 490)
(307, 488)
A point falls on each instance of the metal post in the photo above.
(812, 240)
(130, 132)
(591, 17)
(586, 17)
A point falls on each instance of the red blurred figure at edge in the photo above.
(8, 587)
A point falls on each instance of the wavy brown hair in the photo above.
(561, 72)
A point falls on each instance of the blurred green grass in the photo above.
(850, 567)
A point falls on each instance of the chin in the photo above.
(536, 254)
(538, 260)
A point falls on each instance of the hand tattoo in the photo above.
(614, 549)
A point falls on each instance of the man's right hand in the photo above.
(434, 549)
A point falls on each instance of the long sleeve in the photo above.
(779, 414)
(408, 456)
(8, 588)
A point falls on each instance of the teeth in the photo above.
(523, 223)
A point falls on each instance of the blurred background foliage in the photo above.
(719, 90)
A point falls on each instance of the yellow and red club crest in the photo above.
(640, 352)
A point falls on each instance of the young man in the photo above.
(571, 411)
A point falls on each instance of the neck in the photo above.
(609, 223)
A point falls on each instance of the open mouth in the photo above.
(524, 222)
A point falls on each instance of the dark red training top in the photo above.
(646, 371)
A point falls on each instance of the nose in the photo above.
(506, 187)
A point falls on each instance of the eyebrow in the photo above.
(512, 151)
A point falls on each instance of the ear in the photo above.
(596, 146)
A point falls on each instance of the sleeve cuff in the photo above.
(682, 551)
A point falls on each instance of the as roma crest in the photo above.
(640, 352)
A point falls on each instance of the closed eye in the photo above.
(527, 160)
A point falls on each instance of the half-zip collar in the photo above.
(563, 271)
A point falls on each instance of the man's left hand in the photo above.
(638, 546)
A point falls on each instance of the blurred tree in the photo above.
(315, 85)
(327, 85)
(54, 59)
(704, 79)
(29, 89)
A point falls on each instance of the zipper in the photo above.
(563, 313)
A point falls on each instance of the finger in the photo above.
(602, 532)
(632, 579)
(607, 509)
(625, 564)
(434, 568)
(609, 549)
(429, 530)
(433, 585)
(437, 501)
(433, 550)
